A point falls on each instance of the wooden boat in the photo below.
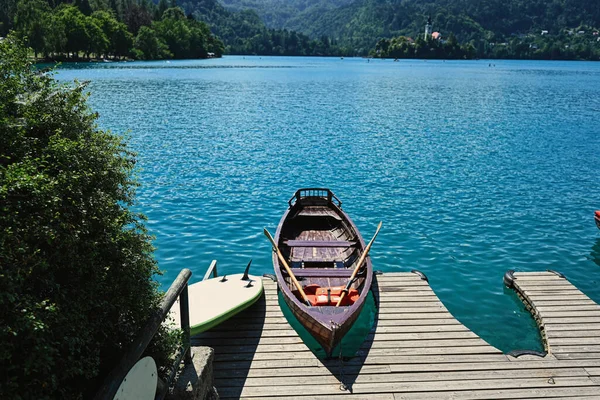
(322, 246)
(597, 218)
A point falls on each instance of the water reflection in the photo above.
(526, 319)
(351, 343)
(595, 253)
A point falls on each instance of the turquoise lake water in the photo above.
(473, 169)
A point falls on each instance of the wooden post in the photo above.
(184, 312)
(113, 380)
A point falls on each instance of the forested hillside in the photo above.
(276, 13)
(361, 23)
(245, 33)
(521, 29)
(143, 29)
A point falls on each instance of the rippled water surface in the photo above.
(474, 169)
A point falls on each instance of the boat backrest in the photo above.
(314, 196)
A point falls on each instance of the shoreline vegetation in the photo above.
(77, 262)
(84, 30)
(74, 32)
(117, 30)
(565, 47)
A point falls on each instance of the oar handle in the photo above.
(358, 265)
(287, 268)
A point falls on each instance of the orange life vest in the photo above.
(323, 296)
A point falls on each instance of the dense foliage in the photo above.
(141, 29)
(403, 47)
(245, 33)
(276, 13)
(111, 29)
(76, 263)
(496, 28)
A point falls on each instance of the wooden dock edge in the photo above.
(416, 350)
(509, 281)
(568, 320)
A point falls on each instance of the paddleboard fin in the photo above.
(245, 277)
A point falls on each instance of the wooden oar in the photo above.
(358, 265)
(287, 268)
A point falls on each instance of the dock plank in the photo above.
(406, 387)
(416, 349)
(569, 320)
(327, 379)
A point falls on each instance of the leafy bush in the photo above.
(76, 263)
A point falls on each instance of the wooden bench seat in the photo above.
(319, 212)
(319, 243)
(322, 272)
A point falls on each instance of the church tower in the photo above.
(428, 28)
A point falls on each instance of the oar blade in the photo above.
(268, 235)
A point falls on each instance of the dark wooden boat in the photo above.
(322, 246)
(597, 218)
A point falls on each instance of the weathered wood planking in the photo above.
(570, 326)
(417, 349)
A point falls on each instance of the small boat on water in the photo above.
(321, 264)
(597, 218)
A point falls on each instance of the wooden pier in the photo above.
(569, 321)
(416, 350)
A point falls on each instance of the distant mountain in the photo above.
(360, 23)
(244, 32)
(276, 13)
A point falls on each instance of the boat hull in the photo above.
(327, 334)
(322, 246)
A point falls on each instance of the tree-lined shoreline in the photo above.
(61, 30)
(143, 31)
(74, 30)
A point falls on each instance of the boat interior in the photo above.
(322, 249)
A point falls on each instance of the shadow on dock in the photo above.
(235, 343)
(347, 370)
(416, 349)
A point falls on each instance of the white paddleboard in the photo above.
(215, 300)
(140, 382)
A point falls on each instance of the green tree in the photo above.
(173, 29)
(76, 263)
(84, 6)
(30, 22)
(137, 16)
(55, 39)
(98, 42)
(119, 39)
(76, 33)
(7, 12)
(148, 46)
(163, 5)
